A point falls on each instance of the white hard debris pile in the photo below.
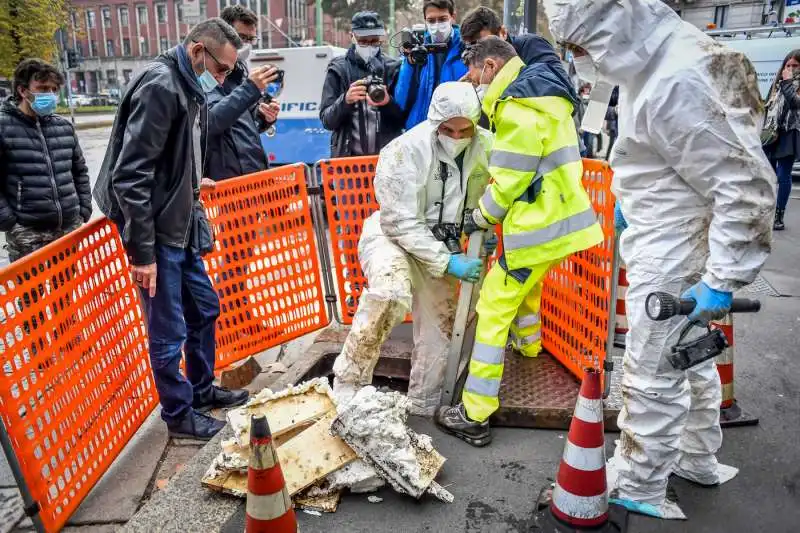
(323, 452)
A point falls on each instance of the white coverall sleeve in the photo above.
(716, 149)
(400, 191)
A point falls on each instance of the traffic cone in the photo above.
(269, 507)
(730, 414)
(621, 323)
(579, 501)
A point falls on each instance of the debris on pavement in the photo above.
(240, 375)
(322, 452)
(374, 499)
(374, 424)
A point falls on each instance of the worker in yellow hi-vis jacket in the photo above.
(546, 215)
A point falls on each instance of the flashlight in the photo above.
(662, 306)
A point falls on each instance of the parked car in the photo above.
(80, 100)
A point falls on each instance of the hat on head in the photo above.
(368, 24)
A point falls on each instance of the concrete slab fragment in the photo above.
(118, 494)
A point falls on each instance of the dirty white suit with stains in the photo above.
(698, 195)
(404, 263)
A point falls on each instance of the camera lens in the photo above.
(377, 93)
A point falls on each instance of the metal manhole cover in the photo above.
(761, 287)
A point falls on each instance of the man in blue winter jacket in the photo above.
(416, 83)
(237, 115)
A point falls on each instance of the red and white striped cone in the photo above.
(730, 414)
(269, 507)
(579, 501)
(621, 323)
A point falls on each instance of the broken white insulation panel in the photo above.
(374, 425)
(291, 409)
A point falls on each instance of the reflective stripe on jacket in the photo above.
(537, 192)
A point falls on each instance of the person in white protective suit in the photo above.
(424, 178)
(698, 195)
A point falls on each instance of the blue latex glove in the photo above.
(620, 224)
(711, 304)
(490, 244)
(465, 268)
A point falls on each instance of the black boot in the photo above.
(454, 420)
(220, 398)
(779, 225)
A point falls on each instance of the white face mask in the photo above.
(483, 88)
(585, 68)
(367, 52)
(453, 147)
(244, 52)
(440, 31)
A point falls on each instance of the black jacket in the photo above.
(45, 182)
(335, 112)
(147, 184)
(234, 128)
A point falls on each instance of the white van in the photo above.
(299, 136)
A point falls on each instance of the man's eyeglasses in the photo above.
(248, 39)
(226, 70)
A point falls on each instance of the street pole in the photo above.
(65, 58)
(320, 26)
(530, 15)
(260, 28)
(392, 22)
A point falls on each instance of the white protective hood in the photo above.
(620, 35)
(451, 100)
(407, 183)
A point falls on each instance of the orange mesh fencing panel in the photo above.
(349, 200)
(576, 296)
(76, 381)
(265, 265)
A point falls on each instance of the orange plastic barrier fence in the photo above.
(76, 381)
(576, 295)
(265, 266)
(349, 200)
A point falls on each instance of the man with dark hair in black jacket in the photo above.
(45, 190)
(361, 125)
(237, 115)
(150, 186)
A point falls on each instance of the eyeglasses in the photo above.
(226, 70)
(248, 39)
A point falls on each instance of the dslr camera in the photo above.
(450, 235)
(376, 88)
(414, 47)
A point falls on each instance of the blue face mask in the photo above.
(44, 104)
(206, 80)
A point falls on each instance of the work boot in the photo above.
(454, 420)
(195, 426)
(779, 225)
(220, 398)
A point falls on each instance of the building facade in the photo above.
(115, 38)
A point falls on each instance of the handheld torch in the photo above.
(663, 306)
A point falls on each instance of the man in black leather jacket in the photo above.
(150, 186)
(45, 190)
(360, 125)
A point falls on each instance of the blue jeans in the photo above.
(783, 168)
(182, 315)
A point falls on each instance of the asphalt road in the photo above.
(496, 487)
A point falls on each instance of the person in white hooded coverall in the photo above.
(407, 268)
(698, 194)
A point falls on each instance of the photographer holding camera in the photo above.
(431, 57)
(356, 103)
(238, 111)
